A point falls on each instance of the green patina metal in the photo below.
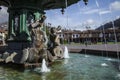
(19, 24)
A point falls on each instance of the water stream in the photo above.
(66, 54)
(44, 67)
(103, 33)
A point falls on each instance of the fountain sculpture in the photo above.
(27, 40)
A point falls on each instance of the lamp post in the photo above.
(86, 2)
(62, 11)
(88, 32)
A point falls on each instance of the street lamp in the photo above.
(86, 2)
(62, 11)
(88, 32)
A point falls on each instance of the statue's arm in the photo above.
(57, 40)
(45, 37)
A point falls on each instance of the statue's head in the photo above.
(59, 27)
(43, 17)
(53, 30)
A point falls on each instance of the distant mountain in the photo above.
(4, 26)
(4, 23)
(110, 25)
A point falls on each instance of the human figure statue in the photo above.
(55, 42)
(54, 38)
(39, 41)
(38, 35)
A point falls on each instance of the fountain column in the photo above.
(11, 23)
(19, 21)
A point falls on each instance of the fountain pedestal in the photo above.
(19, 20)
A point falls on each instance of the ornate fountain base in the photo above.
(18, 45)
(22, 53)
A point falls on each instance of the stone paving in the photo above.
(100, 47)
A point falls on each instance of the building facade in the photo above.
(89, 36)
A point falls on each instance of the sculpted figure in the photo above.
(55, 43)
(39, 48)
(54, 38)
(38, 35)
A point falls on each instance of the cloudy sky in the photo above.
(78, 16)
(3, 15)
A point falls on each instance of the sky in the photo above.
(78, 16)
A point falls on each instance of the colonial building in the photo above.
(90, 36)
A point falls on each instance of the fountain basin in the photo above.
(77, 67)
(99, 50)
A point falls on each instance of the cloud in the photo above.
(92, 11)
(66, 21)
(115, 5)
(56, 20)
(117, 17)
(104, 12)
(3, 14)
(89, 22)
(87, 10)
(73, 22)
(4, 10)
